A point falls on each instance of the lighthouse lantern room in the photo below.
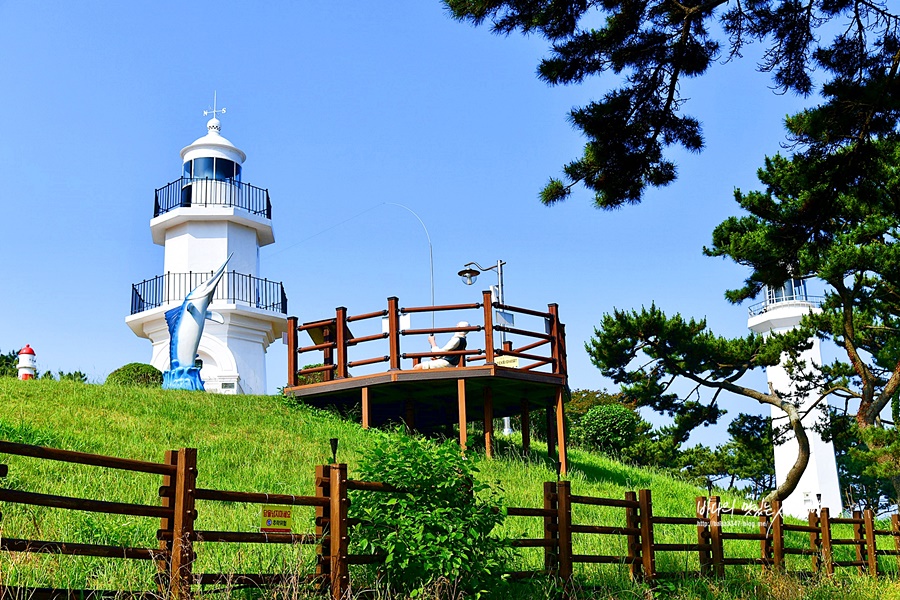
(202, 218)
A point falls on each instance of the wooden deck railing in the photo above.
(334, 339)
(718, 545)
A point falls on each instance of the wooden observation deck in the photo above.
(494, 378)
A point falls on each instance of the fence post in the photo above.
(825, 529)
(340, 573)
(488, 328)
(871, 555)
(777, 536)
(703, 537)
(551, 529)
(715, 536)
(564, 523)
(183, 525)
(633, 521)
(765, 526)
(292, 350)
(647, 555)
(166, 496)
(394, 332)
(858, 533)
(815, 540)
(323, 549)
(341, 341)
(895, 528)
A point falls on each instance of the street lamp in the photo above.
(469, 276)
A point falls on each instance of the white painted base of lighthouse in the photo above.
(818, 486)
(233, 352)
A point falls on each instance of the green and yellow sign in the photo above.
(276, 519)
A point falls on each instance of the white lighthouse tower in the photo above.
(202, 218)
(782, 311)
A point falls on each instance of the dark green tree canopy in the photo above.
(651, 46)
(833, 215)
(654, 356)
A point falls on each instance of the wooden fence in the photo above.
(181, 501)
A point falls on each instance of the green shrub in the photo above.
(439, 530)
(608, 428)
(136, 375)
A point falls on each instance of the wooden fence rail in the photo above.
(713, 523)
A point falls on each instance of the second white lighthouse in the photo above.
(201, 218)
(782, 311)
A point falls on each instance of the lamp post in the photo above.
(468, 276)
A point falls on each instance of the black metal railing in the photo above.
(234, 288)
(188, 192)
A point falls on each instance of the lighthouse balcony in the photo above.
(234, 288)
(187, 192)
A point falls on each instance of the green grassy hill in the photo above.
(262, 444)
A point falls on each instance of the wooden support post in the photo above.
(554, 336)
(825, 530)
(365, 407)
(463, 422)
(526, 427)
(551, 529)
(328, 353)
(871, 555)
(561, 432)
(564, 523)
(292, 350)
(183, 525)
(715, 536)
(648, 558)
(703, 536)
(633, 520)
(488, 328)
(858, 537)
(551, 433)
(777, 536)
(166, 499)
(815, 541)
(394, 332)
(341, 342)
(323, 514)
(488, 422)
(895, 528)
(340, 572)
(563, 360)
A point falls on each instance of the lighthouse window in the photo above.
(224, 169)
(220, 169)
(203, 168)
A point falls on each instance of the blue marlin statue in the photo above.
(185, 329)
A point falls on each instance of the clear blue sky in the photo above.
(341, 107)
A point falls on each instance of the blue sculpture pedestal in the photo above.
(183, 378)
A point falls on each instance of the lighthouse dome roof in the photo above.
(213, 144)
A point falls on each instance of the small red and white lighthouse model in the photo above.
(26, 363)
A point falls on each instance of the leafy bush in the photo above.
(136, 375)
(607, 427)
(439, 529)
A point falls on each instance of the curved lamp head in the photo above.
(468, 275)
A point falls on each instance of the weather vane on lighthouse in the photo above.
(214, 111)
